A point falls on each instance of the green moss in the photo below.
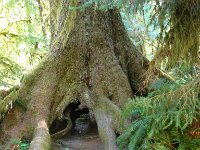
(21, 103)
(110, 108)
(29, 79)
(47, 145)
(7, 101)
(104, 137)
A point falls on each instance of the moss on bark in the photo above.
(92, 67)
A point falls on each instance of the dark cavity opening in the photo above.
(58, 125)
(76, 112)
(80, 119)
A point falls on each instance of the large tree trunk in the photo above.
(91, 61)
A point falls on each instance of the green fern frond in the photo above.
(137, 137)
(168, 112)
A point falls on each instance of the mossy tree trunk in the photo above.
(91, 61)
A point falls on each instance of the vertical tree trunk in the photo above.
(91, 60)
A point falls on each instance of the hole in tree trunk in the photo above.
(76, 113)
(58, 125)
(80, 119)
(83, 135)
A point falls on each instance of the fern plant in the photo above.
(164, 119)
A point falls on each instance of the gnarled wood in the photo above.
(95, 64)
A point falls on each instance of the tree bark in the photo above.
(91, 60)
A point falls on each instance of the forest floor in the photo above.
(76, 141)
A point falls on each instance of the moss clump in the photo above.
(21, 103)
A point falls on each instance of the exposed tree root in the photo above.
(105, 129)
(42, 139)
(67, 129)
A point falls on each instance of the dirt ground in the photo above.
(76, 141)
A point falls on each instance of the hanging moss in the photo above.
(180, 44)
(6, 102)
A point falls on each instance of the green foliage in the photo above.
(24, 145)
(162, 120)
(9, 69)
(21, 43)
(176, 24)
